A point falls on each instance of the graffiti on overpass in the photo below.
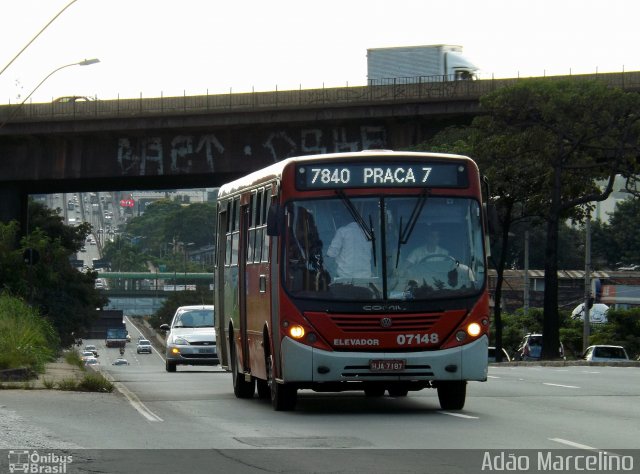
(159, 155)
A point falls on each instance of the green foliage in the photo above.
(63, 295)
(516, 325)
(543, 144)
(52, 225)
(618, 242)
(571, 336)
(26, 339)
(622, 329)
(94, 382)
(125, 256)
(68, 384)
(73, 358)
(161, 235)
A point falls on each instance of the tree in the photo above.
(61, 294)
(150, 237)
(563, 136)
(543, 145)
(618, 242)
(503, 151)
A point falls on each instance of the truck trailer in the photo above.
(116, 336)
(411, 64)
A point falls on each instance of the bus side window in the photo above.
(235, 230)
(266, 204)
(251, 231)
(258, 223)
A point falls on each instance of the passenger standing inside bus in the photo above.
(351, 251)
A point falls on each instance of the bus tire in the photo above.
(170, 366)
(283, 396)
(452, 395)
(241, 388)
(264, 392)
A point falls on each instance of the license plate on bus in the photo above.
(387, 365)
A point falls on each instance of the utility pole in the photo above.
(587, 284)
(526, 272)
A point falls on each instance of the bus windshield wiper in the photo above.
(404, 234)
(367, 230)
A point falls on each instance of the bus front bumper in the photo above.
(302, 363)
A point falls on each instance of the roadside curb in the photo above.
(55, 373)
(565, 363)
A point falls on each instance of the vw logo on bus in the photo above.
(386, 322)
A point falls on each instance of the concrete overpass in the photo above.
(203, 141)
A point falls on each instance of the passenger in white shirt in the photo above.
(351, 251)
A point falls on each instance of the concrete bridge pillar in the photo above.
(13, 204)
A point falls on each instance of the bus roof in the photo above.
(275, 170)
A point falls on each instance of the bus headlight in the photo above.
(296, 331)
(473, 329)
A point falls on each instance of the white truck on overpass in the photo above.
(410, 64)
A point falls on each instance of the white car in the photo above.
(605, 353)
(191, 337)
(144, 346)
(87, 355)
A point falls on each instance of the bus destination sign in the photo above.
(412, 174)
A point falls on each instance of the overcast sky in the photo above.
(171, 47)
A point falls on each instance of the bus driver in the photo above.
(430, 248)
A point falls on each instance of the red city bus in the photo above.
(353, 271)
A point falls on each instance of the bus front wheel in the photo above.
(452, 395)
(283, 396)
(241, 388)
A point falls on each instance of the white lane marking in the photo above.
(573, 444)
(139, 332)
(132, 397)
(559, 385)
(459, 415)
(492, 377)
(136, 403)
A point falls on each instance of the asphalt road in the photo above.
(588, 409)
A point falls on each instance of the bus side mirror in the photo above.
(274, 220)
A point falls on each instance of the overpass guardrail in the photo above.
(396, 90)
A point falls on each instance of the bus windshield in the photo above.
(383, 248)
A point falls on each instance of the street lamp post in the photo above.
(86, 62)
(38, 34)
(185, 246)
